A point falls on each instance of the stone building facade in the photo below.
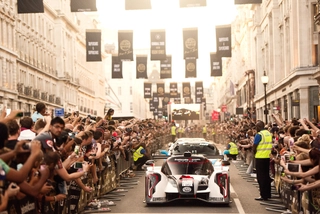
(43, 58)
(278, 37)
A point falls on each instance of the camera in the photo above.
(92, 117)
(93, 155)
(78, 165)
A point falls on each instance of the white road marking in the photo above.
(237, 201)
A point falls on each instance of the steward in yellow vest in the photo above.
(173, 132)
(262, 146)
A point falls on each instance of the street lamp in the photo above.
(265, 80)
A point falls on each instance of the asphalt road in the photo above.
(130, 197)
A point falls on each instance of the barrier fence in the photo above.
(77, 199)
(294, 200)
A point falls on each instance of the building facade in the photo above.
(277, 37)
(43, 58)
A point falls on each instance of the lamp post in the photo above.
(265, 80)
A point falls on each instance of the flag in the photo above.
(165, 68)
(191, 67)
(30, 6)
(116, 68)
(147, 90)
(125, 51)
(141, 67)
(186, 89)
(223, 39)
(93, 45)
(83, 5)
(160, 89)
(158, 45)
(190, 43)
(215, 65)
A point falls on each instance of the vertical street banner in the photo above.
(190, 43)
(155, 100)
(188, 100)
(30, 6)
(83, 5)
(215, 65)
(160, 89)
(173, 90)
(186, 89)
(215, 116)
(151, 106)
(93, 45)
(155, 111)
(165, 100)
(165, 68)
(116, 68)
(160, 112)
(158, 45)
(199, 92)
(138, 4)
(125, 50)
(141, 66)
(177, 100)
(147, 90)
(223, 39)
(193, 3)
(247, 1)
(204, 102)
(191, 67)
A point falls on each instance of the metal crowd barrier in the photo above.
(294, 200)
(77, 200)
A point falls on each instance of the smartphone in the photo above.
(287, 158)
(78, 165)
(8, 111)
(20, 114)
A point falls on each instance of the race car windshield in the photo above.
(201, 148)
(191, 166)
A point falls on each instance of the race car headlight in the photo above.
(152, 181)
(172, 182)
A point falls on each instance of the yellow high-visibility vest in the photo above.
(204, 130)
(265, 145)
(173, 130)
(137, 154)
(233, 148)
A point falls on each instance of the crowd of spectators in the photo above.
(41, 155)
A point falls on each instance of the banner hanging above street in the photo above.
(199, 92)
(190, 43)
(125, 45)
(165, 100)
(116, 68)
(160, 89)
(177, 100)
(83, 5)
(247, 1)
(158, 45)
(215, 65)
(174, 90)
(141, 67)
(147, 90)
(138, 4)
(186, 89)
(30, 6)
(165, 68)
(223, 39)
(191, 67)
(155, 99)
(193, 3)
(93, 45)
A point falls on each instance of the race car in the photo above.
(188, 176)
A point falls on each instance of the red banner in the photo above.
(215, 116)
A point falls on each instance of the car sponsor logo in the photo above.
(186, 189)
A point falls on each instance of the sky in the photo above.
(166, 14)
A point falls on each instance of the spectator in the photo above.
(140, 155)
(27, 125)
(40, 112)
(109, 115)
(262, 148)
(173, 132)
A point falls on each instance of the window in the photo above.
(130, 90)
(131, 107)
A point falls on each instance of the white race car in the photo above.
(188, 176)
